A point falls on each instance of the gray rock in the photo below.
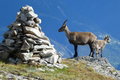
(9, 42)
(44, 42)
(37, 20)
(26, 56)
(60, 66)
(43, 62)
(32, 36)
(43, 47)
(23, 17)
(31, 40)
(25, 46)
(45, 54)
(30, 23)
(41, 69)
(16, 24)
(33, 31)
(26, 8)
(4, 55)
(34, 58)
(31, 14)
(53, 59)
(101, 65)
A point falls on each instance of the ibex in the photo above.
(79, 38)
(99, 45)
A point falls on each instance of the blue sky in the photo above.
(97, 16)
(82, 15)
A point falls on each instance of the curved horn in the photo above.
(65, 22)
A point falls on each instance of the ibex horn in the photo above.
(65, 21)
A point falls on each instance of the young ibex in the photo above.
(99, 45)
(79, 38)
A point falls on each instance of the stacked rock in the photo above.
(25, 40)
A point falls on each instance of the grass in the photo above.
(75, 71)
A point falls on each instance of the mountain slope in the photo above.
(77, 70)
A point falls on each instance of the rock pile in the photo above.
(102, 66)
(25, 41)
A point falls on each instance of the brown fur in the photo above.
(99, 45)
(79, 38)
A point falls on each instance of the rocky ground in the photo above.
(9, 76)
(81, 68)
(101, 65)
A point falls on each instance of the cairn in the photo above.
(25, 41)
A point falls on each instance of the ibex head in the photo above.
(107, 38)
(63, 27)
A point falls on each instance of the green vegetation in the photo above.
(75, 71)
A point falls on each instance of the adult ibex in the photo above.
(79, 38)
(99, 45)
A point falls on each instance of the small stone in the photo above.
(25, 46)
(47, 53)
(1, 76)
(33, 31)
(31, 14)
(31, 40)
(43, 42)
(9, 42)
(26, 56)
(37, 20)
(11, 60)
(43, 62)
(34, 58)
(16, 24)
(40, 69)
(60, 66)
(27, 8)
(42, 47)
(23, 17)
(15, 32)
(32, 36)
(30, 23)
(51, 70)
(53, 59)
